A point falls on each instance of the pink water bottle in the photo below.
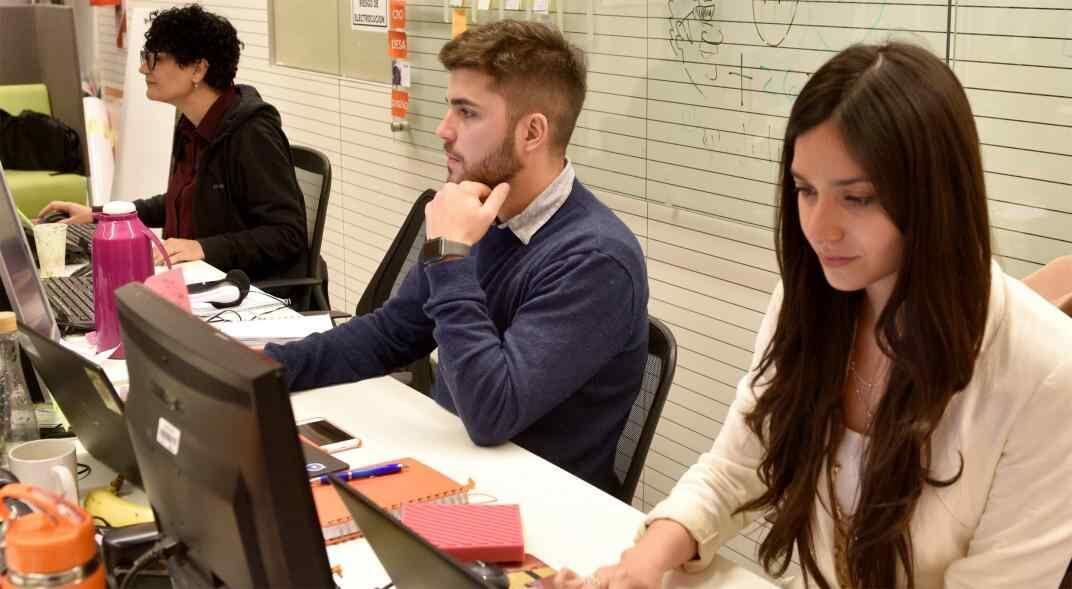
(122, 253)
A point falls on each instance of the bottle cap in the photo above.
(7, 322)
(118, 207)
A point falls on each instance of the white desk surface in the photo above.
(566, 521)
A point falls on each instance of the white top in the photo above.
(526, 223)
(1006, 523)
(118, 207)
(850, 456)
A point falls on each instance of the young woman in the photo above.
(905, 421)
(232, 197)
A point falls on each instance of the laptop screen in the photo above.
(87, 399)
(25, 295)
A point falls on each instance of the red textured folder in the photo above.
(491, 533)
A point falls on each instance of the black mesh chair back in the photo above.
(313, 170)
(399, 258)
(640, 427)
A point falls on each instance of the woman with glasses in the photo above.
(232, 197)
(905, 422)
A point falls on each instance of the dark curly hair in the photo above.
(189, 34)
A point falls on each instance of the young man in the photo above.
(534, 292)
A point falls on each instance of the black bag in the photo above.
(34, 141)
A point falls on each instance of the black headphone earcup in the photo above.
(241, 280)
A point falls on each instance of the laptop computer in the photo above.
(88, 401)
(410, 560)
(94, 409)
(38, 303)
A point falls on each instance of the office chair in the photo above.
(313, 170)
(402, 255)
(639, 429)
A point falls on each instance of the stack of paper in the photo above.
(256, 334)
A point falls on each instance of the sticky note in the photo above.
(458, 22)
(399, 103)
(398, 14)
(397, 45)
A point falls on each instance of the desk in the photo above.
(567, 522)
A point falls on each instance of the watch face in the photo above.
(436, 249)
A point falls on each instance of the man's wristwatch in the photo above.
(438, 249)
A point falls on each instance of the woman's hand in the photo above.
(665, 545)
(75, 212)
(627, 574)
(180, 250)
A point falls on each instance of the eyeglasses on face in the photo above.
(150, 58)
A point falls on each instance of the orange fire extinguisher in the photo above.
(52, 547)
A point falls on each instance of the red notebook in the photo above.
(491, 533)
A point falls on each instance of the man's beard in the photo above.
(497, 167)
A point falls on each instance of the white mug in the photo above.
(47, 464)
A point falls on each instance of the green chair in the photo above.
(33, 189)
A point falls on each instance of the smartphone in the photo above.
(327, 436)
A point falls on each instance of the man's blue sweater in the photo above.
(543, 344)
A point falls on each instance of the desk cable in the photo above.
(164, 548)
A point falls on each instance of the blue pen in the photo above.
(361, 473)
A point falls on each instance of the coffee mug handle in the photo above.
(67, 485)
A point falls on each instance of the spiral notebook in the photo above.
(417, 483)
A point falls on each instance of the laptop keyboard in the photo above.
(71, 298)
(80, 239)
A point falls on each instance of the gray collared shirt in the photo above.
(526, 223)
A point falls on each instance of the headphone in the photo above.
(236, 278)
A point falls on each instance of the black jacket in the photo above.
(248, 212)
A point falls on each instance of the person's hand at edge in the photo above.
(76, 213)
(665, 545)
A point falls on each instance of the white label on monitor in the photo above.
(168, 436)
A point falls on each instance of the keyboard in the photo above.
(71, 299)
(80, 240)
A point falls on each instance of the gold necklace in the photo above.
(843, 522)
(866, 400)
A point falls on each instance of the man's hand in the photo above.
(463, 212)
(180, 250)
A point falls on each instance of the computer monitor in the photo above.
(22, 287)
(213, 431)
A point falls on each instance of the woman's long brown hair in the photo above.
(906, 120)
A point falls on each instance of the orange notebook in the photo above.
(417, 483)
